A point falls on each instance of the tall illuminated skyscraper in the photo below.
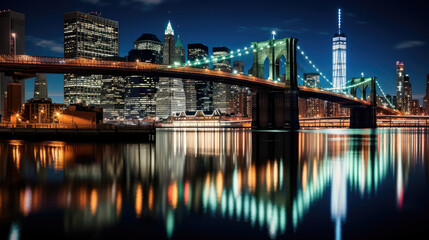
(400, 93)
(170, 97)
(339, 53)
(40, 87)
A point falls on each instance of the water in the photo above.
(324, 184)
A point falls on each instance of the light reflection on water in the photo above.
(267, 182)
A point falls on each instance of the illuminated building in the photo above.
(204, 89)
(170, 96)
(222, 95)
(87, 35)
(315, 107)
(40, 87)
(42, 111)
(416, 107)
(339, 50)
(12, 41)
(112, 96)
(408, 97)
(147, 48)
(426, 98)
(241, 95)
(179, 51)
(140, 100)
(140, 91)
(400, 93)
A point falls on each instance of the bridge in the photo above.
(275, 101)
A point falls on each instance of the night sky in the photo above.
(378, 32)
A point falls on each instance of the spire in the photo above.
(178, 42)
(169, 30)
(339, 21)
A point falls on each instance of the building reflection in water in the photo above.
(263, 179)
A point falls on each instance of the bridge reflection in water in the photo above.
(268, 182)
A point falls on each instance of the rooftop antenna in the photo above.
(339, 20)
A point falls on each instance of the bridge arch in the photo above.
(275, 49)
(363, 84)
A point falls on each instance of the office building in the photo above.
(42, 110)
(426, 98)
(204, 89)
(112, 97)
(40, 87)
(179, 52)
(87, 35)
(407, 106)
(12, 41)
(222, 96)
(140, 91)
(147, 48)
(400, 93)
(339, 53)
(170, 97)
(315, 107)
(415, 107)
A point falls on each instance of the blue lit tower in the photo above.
(339, 50)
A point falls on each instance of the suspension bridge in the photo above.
(275, 98)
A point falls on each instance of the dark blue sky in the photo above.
(379, 32)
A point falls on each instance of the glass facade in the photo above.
(87, 35)
(112, 96)
(222, 97)
(141, 91)
(203, 89)
(400, 93)
(339, 64)
(140, 97)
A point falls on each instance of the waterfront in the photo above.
(324, 184)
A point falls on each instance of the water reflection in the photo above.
(267, 181)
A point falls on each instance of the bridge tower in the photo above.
(364, 116)
(275, 109)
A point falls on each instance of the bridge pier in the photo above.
(275, 109)
(363, 117)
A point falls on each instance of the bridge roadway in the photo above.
(25, 66)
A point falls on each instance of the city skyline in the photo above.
(399, 43)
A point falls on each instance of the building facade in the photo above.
(12, 41)
(222, 92)
(314, 107)
(408, 97)
(141, 91)
(170, 97)
(400, 90)
(112, 97)
(40, 87)
(426, 98)
(339, 54)
(203, 89)
(87, 35)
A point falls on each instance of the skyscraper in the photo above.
(179, 52)
(204, 89)
(87, 35)
(170, 96)
(400, 75)
(222, 96)
(407, 106)
(12, 41)
(40, 87)
(339, 50)
(426, 98)
(140, 91)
